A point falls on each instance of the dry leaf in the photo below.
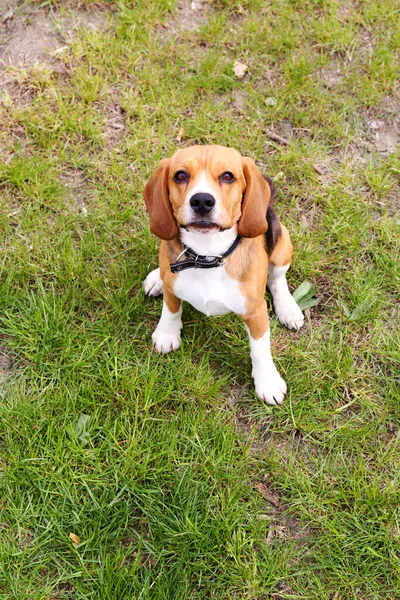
(239, 69)
(280, 531)
(262, 488)
(180, 135)
(270, 535)
(272, 497)
(75, 539)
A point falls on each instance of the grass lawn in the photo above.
(128, 475)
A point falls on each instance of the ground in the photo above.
(130, 475)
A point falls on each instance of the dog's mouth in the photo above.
(202, 226)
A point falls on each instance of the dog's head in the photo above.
(207, 189)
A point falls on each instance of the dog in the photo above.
(222, 244)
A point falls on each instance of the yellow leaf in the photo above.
(75, 539)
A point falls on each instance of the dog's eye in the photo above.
(181, 177)
(227, 177)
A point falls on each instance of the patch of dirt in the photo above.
(393, 203)
(391, 105)
(6, 365)
(8, 10)
(308, 216)
(30, 39)
(34, 36)
(25, 539)
(239, 99)
(284, 525)
(11, 133)
(63, 590)
(91, 18)
(379, 131)
(384, 134)
(367, 43)
(331, 75)
(188, 16)
(115, 125)
(13, 91)
(344, 11)
(355, 154)
(285, 128)
(288, 528)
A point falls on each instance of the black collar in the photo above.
(197, 261)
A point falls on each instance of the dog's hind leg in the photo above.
(286, 308)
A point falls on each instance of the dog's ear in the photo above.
(253, 221)
(156, 197)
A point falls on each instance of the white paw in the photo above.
(165, 342)
(270, 387)
(288, 312)
(153, 285)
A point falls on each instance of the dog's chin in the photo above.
(203, 227)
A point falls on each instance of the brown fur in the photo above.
(250, 267)
(253, 221)
(156, 196)
(171, 300)
(283, 250)
(169, 252)
(257, 321)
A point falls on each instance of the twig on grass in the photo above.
(317, 169)
(278, 138)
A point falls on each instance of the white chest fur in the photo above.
(211, 291)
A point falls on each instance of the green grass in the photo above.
(177, 480)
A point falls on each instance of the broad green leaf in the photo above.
(306, 289)
(80, 428)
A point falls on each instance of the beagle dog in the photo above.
(221, 244)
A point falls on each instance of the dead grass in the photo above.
(6, 364)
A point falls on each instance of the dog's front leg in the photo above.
(167, 335)
(269, 385)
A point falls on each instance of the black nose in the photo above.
(202, 203)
